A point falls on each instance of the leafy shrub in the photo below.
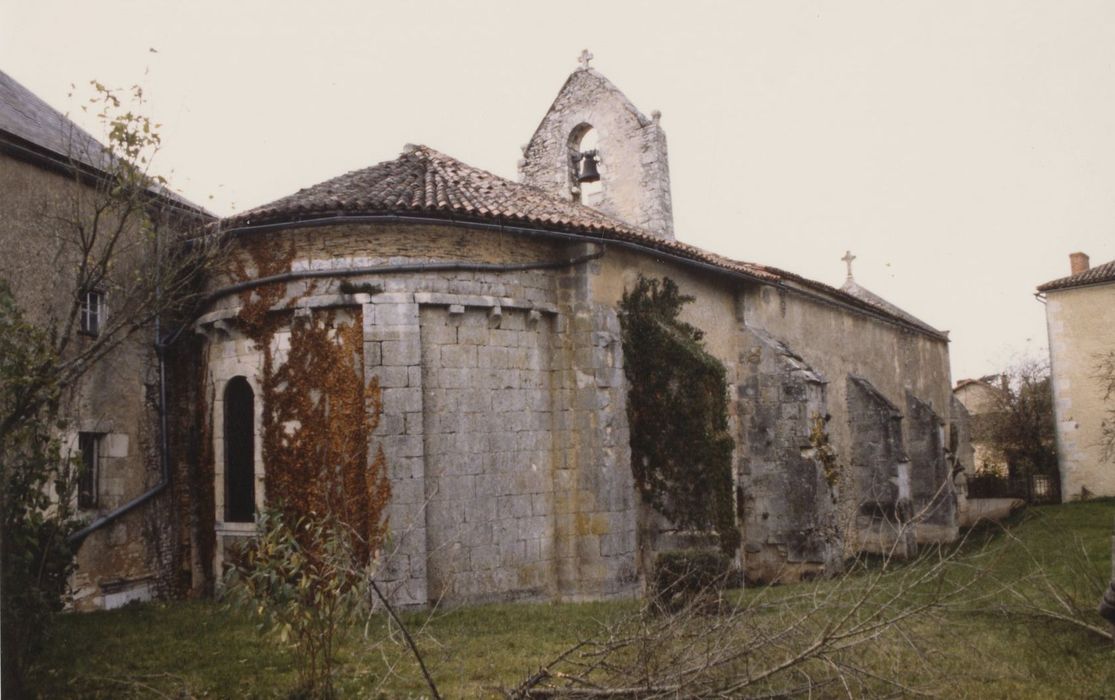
(684, 577)
(37, 486)
(306, 583)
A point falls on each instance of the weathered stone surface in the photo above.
(788, 507)
(880, 469)
(931, 490)
(634, 169)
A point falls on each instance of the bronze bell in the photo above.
(589, 173)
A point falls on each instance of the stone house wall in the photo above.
(117, 399)
(1081, 323)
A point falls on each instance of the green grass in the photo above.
(200, 649)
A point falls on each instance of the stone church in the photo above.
(451, 342)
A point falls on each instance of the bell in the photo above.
(589, 173)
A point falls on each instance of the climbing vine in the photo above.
(319, 414)
(677, 409)
(823, 452)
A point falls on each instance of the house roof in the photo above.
(40, 130)
(24, 114)
(425, 181)
(1099, 274)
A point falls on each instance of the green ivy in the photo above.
(677, 409)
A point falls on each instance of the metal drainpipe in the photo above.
(75, 540)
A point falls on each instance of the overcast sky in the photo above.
(961, 150)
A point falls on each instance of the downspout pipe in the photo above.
(76, 539)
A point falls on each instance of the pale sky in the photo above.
(961, 150)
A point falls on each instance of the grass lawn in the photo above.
(200, 649)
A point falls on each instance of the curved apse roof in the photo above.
(424, 181)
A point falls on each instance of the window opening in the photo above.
(89, 445)
(239, 443)
(92, 312)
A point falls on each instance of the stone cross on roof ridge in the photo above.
(584, 58)
(848, 258)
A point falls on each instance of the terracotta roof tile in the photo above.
(425, 181)
(1095, 275)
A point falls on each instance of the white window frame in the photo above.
(92, 311)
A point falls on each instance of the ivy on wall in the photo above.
(677, 410)
(319, 414)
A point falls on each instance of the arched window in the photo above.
(240, 502)
(583, 149)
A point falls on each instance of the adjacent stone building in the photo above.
(983, 400)
(425, 332)
(1080, 313)
(51, 174)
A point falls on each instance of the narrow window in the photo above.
(92, 312)
(239, 451)
(89, 444)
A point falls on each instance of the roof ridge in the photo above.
(425, 180)
(1096, 274)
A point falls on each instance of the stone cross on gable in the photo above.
(848, 258)
(585, 58)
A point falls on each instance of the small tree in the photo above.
(306, 583)
(35, 501)
(1021, 428)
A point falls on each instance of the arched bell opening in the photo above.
(586, 183)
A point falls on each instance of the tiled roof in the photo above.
(425, 181)
(854, 289)
(31, 120)
(1095, 275)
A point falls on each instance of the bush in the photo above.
(684, 577)
(37, 486)
(306, 583)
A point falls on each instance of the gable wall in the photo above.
(634, 168)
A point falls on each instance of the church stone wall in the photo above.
(788, 506)
(879, 471)
(504, 408)
(504, 422)
(489, 448)
(931, 489)
(831, 340)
